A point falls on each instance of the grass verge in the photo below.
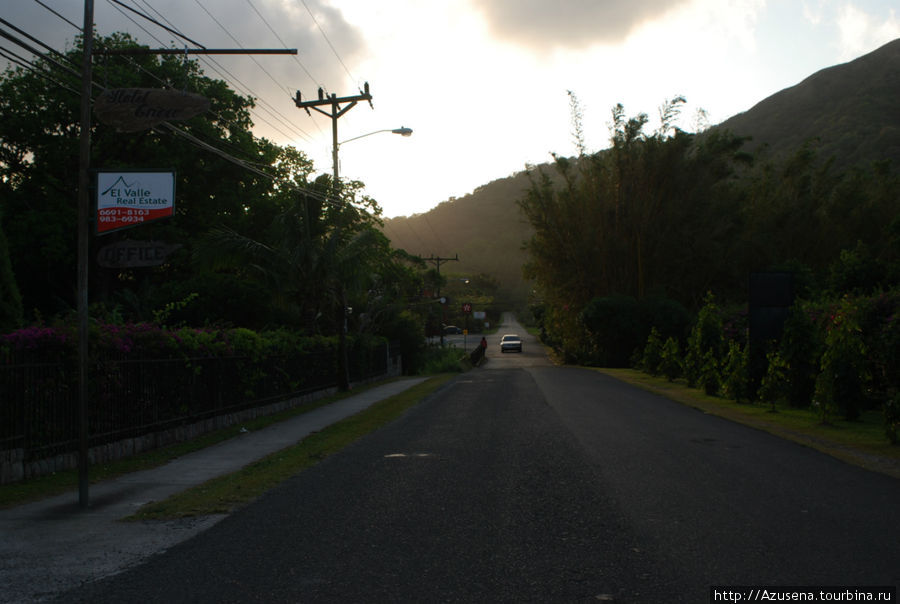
(861, 442)
(61, 482)
(226, 493)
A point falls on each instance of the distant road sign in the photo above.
(467, 307)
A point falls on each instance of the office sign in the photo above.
(134, 254)
(127, 199)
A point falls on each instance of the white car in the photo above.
(510, 342)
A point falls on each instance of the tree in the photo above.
(10, 299)
(654, 215)
(39, 136)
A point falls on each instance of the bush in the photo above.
(615, 327)
(840, 386)
(671, 362)
(442, 360)
(706, 337)
(892, 418)
(774, 385)
(708, 377)
(735, 372)
(652, 356)
(408, 332)
(668, 316)
(801, 346)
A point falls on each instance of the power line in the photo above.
(36, 41)
(268, 107)
(235, 40)
(58, 15)
(157, 23)
(244, 88)
(249, 91)
(28, 65)
(330, 45)
(283, 43)
(174, 130)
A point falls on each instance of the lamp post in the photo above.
(344, 369)
(402, 131)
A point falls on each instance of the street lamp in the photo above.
(402, 131)
(344, 381)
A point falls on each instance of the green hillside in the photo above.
(485, 229)
(851, 111)
(848, 112)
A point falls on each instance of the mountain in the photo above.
(852, 111)
(485, 229)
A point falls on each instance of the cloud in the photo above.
(570, 24)
(813, 12)
(861, 32)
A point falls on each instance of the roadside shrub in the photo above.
(652, 356)
(735, 373)
(708, 377)
(668, 316)
(892, 419)
(670, 361)
(774, 385)
(407, 331)
(879, 321)
(800, 350)
(614, 324)
(840, 385)
(706, 336)
(441, 360)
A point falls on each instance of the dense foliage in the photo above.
(674, 216)
(260, 245)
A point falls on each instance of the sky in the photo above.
(485, 84)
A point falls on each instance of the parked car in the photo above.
(510, 342)
(450, 330)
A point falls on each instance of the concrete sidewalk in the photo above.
(50, 546)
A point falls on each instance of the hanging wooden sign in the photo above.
(129, 254)
(134, 109)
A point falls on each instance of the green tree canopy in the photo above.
(39, 139)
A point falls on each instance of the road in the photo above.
(525, 482)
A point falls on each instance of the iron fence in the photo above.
(132, 397)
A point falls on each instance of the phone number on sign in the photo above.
(123, 212)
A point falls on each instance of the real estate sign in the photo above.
(127, 199)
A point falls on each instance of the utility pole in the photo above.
(336, 112)
(437, 261)
(83, 228)
(83, 234)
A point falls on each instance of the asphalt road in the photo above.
(524, 482)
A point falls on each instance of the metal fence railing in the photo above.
(132, 397)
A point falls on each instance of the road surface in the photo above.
(525, 482)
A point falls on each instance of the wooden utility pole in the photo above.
(85, 217)
(437, 261)
(336, 112)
